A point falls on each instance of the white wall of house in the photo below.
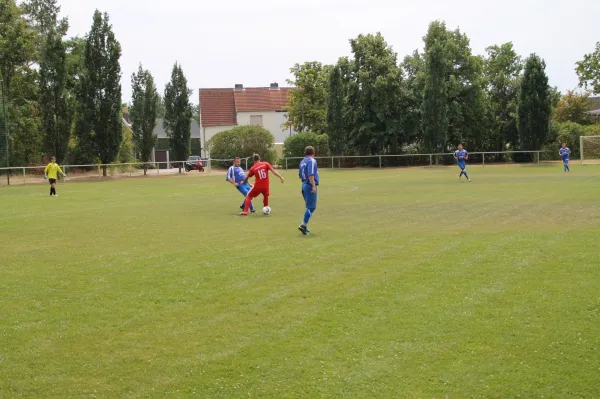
(271, 120)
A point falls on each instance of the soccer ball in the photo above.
(267, 210)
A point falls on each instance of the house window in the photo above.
(256, 120)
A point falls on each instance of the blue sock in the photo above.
(307, 215)
(466, 175)
(462, 172)
(567, 168)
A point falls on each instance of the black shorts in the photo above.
(52, 181)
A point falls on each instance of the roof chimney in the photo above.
(239, 87)
(274, 86)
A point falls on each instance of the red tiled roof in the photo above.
(217, 107)
(262, 99)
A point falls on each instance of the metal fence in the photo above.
(35, 174)
(406, 160)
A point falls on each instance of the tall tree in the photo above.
(435, 91)
(374, 96)
(144, 101)
(100, 92)
(573, 107)
(413, 68)
(307, 110)
(455, 107)
(178, 114)
(336, 106)
(502, 72)
(534, 105)
(17, 54)
(43, 17)
(57, 111)
(588, 70)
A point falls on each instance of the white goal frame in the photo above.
(581, 149)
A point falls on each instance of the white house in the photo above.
(223, 109)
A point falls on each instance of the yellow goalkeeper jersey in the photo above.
(52, 170)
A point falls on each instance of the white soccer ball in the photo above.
(267, 210)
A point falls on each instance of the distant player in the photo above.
(260, 171)
(564, 153)
(309, 175)
(462, 156)
(235, 176)
(51, 173)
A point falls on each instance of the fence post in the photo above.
(379, 161)
(24, 179)
(98, 172)
(332, 165)
(538, 157)
(430, 160)
(158, 169)
(286, 164)
(483, 157)
(581, 149)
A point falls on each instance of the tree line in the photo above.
(64, 98)
(372, 103)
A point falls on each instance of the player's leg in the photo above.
(253, 193)
(464, 171)
(310, 201)
(266, 197)
(567, 166)
(245, 189)
(53, 187)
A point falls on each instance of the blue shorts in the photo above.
(462, 165)
(309, 198)
(566, 161)
(244, 189)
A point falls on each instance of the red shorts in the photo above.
(256, 191)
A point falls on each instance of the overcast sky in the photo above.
(255, 42)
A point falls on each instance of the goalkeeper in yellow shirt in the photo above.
(51, 173)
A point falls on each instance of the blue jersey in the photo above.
(236, 173)
(461, 155)
(308, 167)
(564, 153)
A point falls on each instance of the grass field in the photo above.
(413, 284)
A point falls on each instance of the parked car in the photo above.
(194, 163)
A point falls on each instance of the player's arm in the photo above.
(250, 174)
(61, 172)
(311, 179)
(466, 156)
(46, 171)
(276, 173)
(230, 178)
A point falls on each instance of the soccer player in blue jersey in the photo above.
(309, 175)
(236, 176)
(564, 153)
(462, 156)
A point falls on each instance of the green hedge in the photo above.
(294, 146)
(569, 133)
(242, 141)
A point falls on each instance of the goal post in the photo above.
(589, 149)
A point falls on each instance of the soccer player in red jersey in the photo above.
(260, 171)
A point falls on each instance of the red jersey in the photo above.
(260, 171)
